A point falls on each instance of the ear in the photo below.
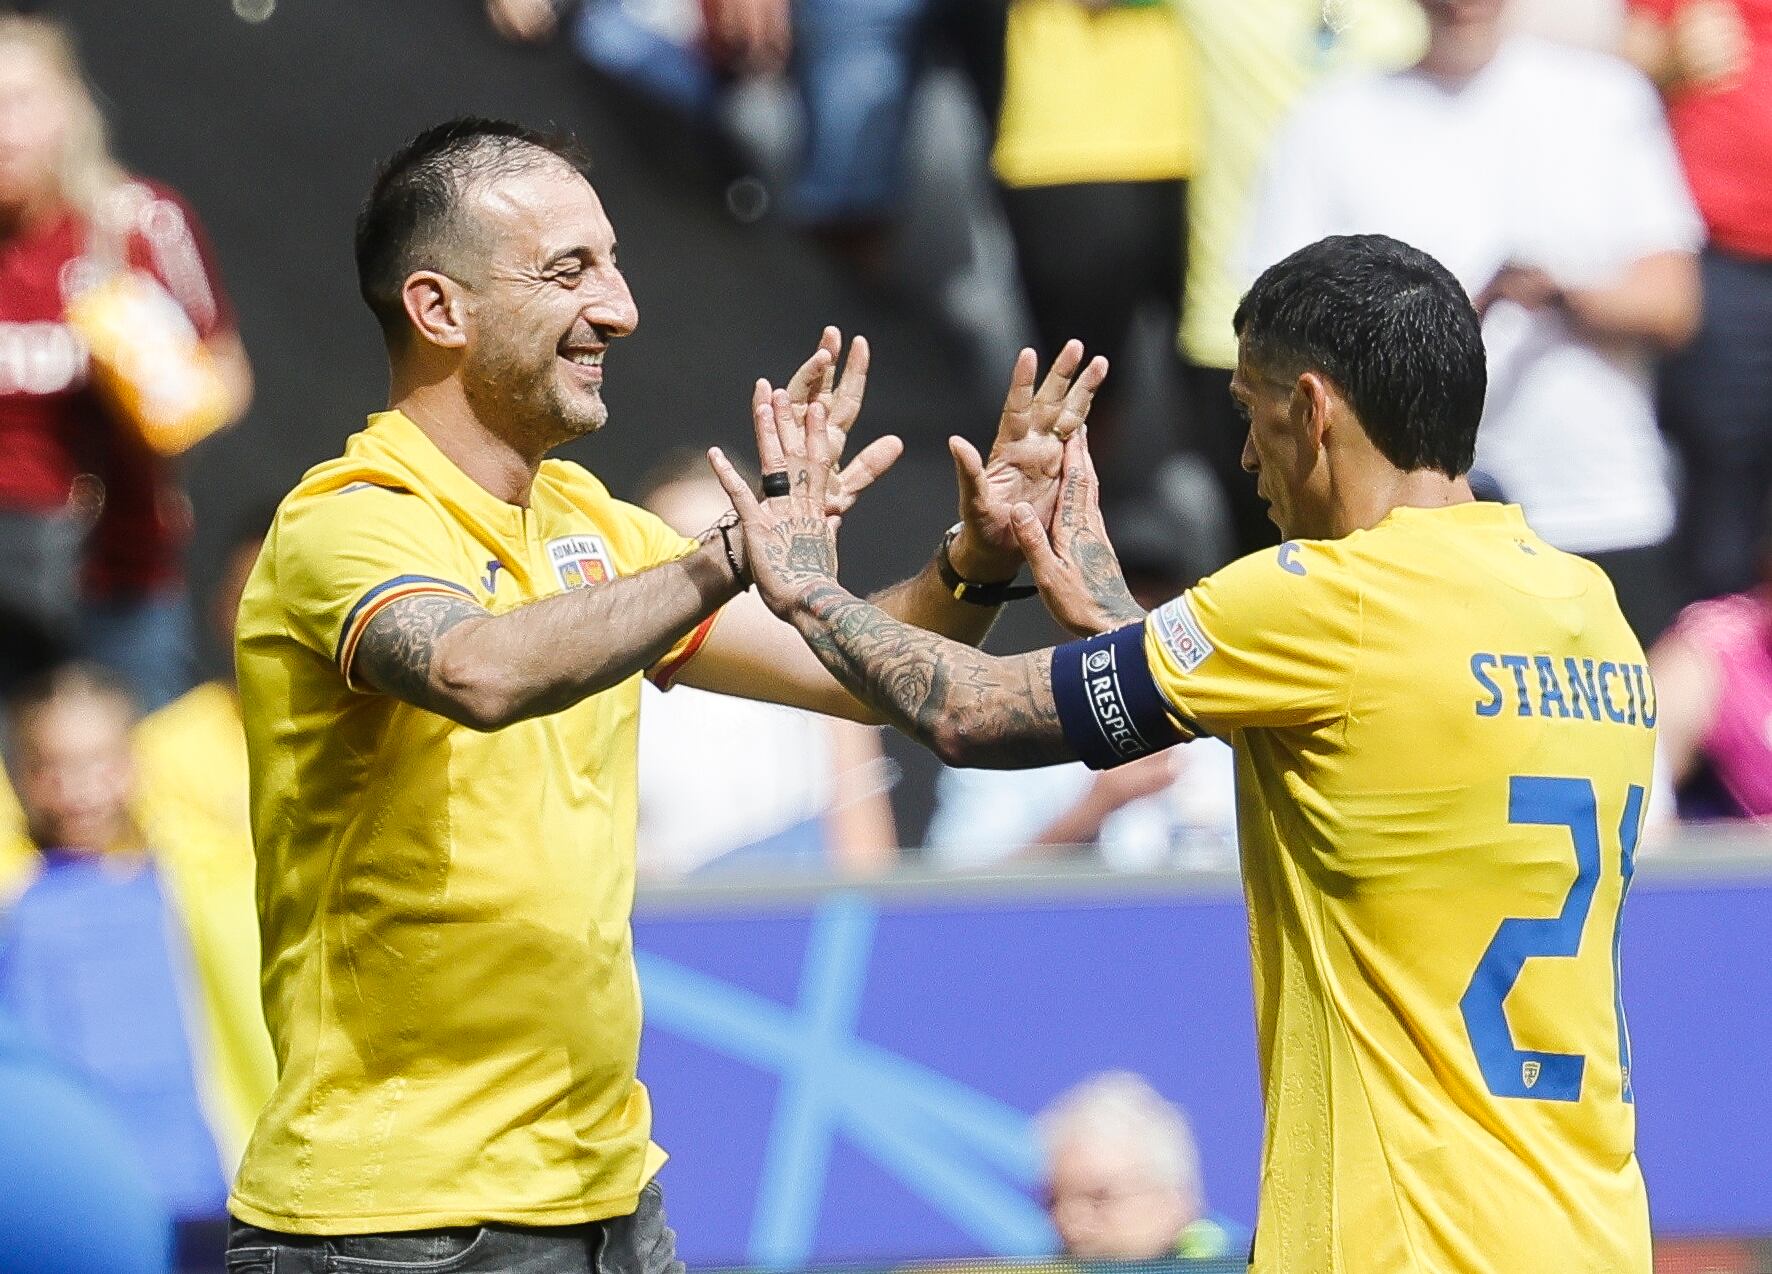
(436, 308)
(1313, 402)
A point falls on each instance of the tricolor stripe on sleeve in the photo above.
(663, 674)
(371, 603)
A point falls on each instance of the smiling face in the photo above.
(545, 301)
(1284, 448)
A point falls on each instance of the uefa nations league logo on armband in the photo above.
(580, 560)
(1099, 661)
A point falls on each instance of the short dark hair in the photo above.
(1395, 332)
(408, 222)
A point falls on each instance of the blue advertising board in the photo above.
(851, 1076)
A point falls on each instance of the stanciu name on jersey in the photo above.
(1605, 691)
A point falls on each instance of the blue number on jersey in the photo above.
(1515, 1072)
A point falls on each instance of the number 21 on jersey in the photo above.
(1508, 1070)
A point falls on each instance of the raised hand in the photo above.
(790, 540)
(817, 382)
(1025, 463)
(1074, 565)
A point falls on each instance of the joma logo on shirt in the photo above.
(580, 560)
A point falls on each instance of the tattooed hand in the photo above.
(1075, 566)
(790, 540)
(816, 383)
(1025, 461)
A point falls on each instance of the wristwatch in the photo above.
(965, 590)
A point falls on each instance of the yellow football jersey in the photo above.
(1096, 96)
(448, 966)
(1255, 59)
(191, 756)
(1444, 732)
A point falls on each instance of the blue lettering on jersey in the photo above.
(1645, 685)
(1518, 664)
(1610, 669)
(491, 580)
(1491, 706)
(1549, 691)
(1582, 687)
(1289, 558)
(1615, 692)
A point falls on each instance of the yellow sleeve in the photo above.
(1271, 640)
(340, 557)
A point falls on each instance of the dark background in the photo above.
(274, 129)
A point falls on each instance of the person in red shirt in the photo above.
(92, 521)
(1713, 61)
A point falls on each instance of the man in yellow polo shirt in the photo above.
(439, 654)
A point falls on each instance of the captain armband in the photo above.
(1108, 703)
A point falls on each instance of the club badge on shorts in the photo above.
(580, 560)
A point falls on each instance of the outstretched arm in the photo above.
(970, 708)
(451, 656)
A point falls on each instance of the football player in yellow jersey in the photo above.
(1444, 733)
(439, 653)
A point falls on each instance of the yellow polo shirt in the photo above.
(448, 967)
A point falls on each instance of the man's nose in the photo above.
(1250, 463)
(613, 311)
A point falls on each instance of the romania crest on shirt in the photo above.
(580, 560)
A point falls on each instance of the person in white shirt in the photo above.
(1545, 178)
(1174, 811)
(714, 794)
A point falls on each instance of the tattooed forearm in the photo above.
(968, 707)
(395, 652)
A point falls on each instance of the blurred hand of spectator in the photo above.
(523, 21)
(1709, 45)
(1109, 792)
(1527, 286)
(1705, 46)
(750, 37)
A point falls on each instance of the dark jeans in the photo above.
(641, 1243)
(1716, 404)
(1093, 256)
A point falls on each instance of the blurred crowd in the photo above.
(1597, 173)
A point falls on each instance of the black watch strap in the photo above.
(965, 590)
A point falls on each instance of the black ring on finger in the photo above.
(776, 484)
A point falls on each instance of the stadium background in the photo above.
(810, 1127)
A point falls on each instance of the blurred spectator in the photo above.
(856, 65)
(1098, 134)
(117, 350)
(715, 794)
(78, 1199)
(191, 764)
(92, 963)
(1255, 59)
(1713, 688)
(1713, 59)
(1123, 1176)
(1544, 177)
(1175, 810)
